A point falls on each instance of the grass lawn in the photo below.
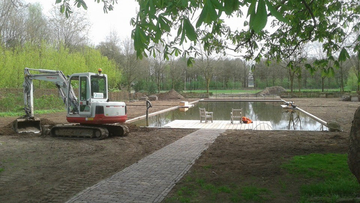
(252, 91)
(327, 179)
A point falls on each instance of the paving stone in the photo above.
(151, 178)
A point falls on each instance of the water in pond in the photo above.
(280, 118)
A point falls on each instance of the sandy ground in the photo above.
(36, 168)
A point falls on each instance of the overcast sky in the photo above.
(102, 23)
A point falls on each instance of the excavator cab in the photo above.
(89, 89)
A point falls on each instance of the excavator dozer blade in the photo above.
(27, 125)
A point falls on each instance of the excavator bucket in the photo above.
(27, 125)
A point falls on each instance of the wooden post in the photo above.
(148, 105)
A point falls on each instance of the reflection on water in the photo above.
(280, 118)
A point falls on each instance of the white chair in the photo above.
(205, 115)
(236, 114)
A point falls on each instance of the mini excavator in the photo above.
(85, 95)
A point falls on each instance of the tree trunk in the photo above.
(358, 74)
(207, 86)
(354, 146)
(291, 83)
(255, 85)
(291, 77)
(341, 78)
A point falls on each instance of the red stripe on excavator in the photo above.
(98, 119)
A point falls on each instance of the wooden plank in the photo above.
(312, 116)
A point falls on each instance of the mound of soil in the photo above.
(172, 94)
(7, 129)
(275, 90)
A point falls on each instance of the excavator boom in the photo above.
(29, 123)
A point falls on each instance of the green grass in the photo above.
(22, 113)
(318, 165)
(225, 91)
(254, 91)
(329, 176)
(199, 190)
(319, 90)
(13, 105)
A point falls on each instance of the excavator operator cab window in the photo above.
(84, 94)
(83, 89)
(98, 87)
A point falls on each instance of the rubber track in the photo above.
(79, 131)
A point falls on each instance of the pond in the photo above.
(280, 118)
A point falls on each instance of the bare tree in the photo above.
(12, 22)
(36, 25)
(176, 71)
(71, 31)
(111, 47)
(207, 67)
(132, 67)
(158, 67)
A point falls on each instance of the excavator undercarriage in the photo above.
(86, 131)
(27, 125)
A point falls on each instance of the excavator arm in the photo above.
(28, 123)
(54, 76)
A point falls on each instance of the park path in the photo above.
(152, 178)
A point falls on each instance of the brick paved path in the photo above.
(150, 179)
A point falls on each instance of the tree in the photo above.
(294, 66)
(132, 68)
(12, 25)
(71, 31)
(207, 67)
(158, 67)
(36, 25)
(175, 71)
(305, 20)
(355, 62)
(111, 47)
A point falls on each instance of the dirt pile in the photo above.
(275, 90)
(7, 130)
(172, 94)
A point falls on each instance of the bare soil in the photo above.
(35, 168)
